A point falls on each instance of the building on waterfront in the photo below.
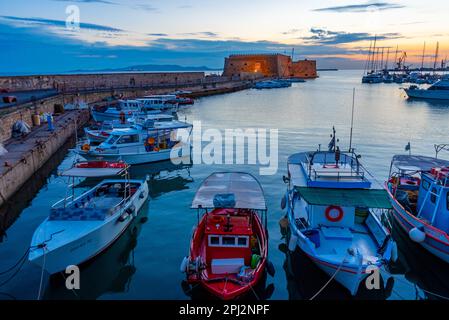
(268, 65)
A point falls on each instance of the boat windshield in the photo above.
(112, 139)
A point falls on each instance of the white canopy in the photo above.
(417, 163)
(240, 189)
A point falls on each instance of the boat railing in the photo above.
(345, 161)
(63, 200)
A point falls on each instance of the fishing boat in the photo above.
(99, 132)
(437, 91)
(373, 77)
(334, 215)
(149, 142)
(272, 84)
(418, 187)
(79, 228)
(129, 108)
(229, 246)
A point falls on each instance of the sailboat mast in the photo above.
(386, 61)
(436, 57)
(396, 54)
(352, 119)
(423, 53)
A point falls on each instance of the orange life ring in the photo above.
(332, 218)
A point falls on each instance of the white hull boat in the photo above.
(334, 214)
(438, 91)
(82, 228)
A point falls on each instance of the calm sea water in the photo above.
(144, 262)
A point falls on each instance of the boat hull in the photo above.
(148, 157)
(92, 243)
(436, 241)
(427, 94)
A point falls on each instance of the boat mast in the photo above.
(374, 50)
(422, 59)
(352, 119)
(436, 57)
(396, 54)
(386, 61)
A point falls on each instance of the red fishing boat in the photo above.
(229, 246)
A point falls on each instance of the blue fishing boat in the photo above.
(418, 187)
(334, 215)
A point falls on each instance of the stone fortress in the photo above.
(268, 65)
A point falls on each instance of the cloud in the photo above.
(60, 23)
(361, 7)
(145, 7)
(291, 31)
(207, 34)
(328, 37)
(88, 1)
(158, 34)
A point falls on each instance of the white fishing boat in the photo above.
(437, 91)
(101, 131)
(150, 142)
(79, 228)
(333, 216)
(137, 107)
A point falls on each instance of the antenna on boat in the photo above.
(352, 119)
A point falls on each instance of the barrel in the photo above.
(36, 120)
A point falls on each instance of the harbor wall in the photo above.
(26, 156)
(79, 82)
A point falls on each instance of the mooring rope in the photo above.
(16, 264)
(329, 281)
(42, 273)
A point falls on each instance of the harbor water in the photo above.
(144, 262)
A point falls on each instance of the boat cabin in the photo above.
(327, 169)
(230, 242)
(230, 236)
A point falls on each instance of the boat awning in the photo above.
(92, 172)
(230, 190)
(369, 198)
(417, 163)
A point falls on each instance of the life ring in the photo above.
(85, 147)
(334, 218)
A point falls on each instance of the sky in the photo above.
(48, 36)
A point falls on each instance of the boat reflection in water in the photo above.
(429, 280)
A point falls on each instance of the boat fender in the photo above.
(142, 195)
(270, 268)
(123, 217)
(292, 243)
(284, 202)
(184, 264)
(130, 210)
(417, 235)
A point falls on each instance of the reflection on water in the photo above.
(146, 265)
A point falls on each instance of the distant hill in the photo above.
(151, 68)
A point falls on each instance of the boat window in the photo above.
(112, 139)
(129, 138)
(433, 197)
(213, 240)
(228, 241)
(242, 242)
(425, 184)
